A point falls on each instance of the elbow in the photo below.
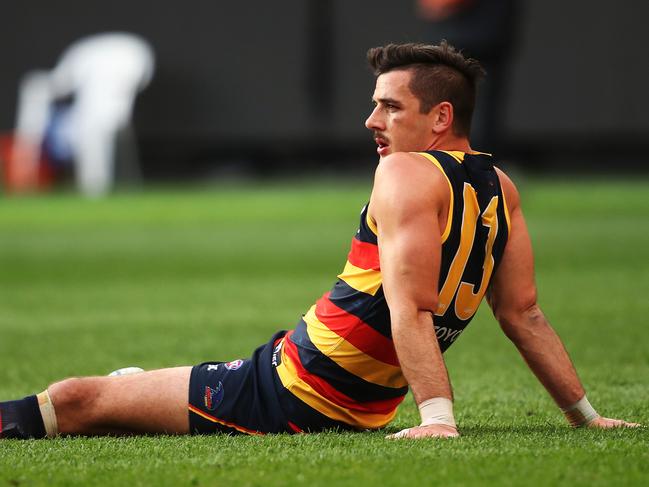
(410, 314)
(404, 318)
(518, 324)
(414, 308)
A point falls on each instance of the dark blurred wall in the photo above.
(582, 69)
(254, 74)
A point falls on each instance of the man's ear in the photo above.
(442, 117)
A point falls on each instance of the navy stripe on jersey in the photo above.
(371, 310)
(364, 233)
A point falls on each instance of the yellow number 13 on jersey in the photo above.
(468, 300)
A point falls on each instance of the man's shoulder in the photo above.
(508, 188)
(412, 169)
(408, 180)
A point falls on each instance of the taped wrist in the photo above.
(438, 410)
(580, 413)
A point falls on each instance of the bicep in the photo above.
(409, 256)
(407, 220)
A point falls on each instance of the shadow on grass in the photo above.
(544, 429)
(491, 430)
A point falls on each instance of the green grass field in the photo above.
(165, 278)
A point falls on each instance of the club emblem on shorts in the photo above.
(234, 365)
(213, 397)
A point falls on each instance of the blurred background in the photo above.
(258, 89)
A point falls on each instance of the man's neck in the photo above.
(451, 142)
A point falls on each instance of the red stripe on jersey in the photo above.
(325, 389)
(355, 331)
(364, 255)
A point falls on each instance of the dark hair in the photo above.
(439, 73)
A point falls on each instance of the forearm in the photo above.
(546, 356)
(419, 355)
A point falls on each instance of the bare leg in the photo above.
(148, 402)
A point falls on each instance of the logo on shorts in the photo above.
(234, 365)
(213, 397)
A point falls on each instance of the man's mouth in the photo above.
(383, 144)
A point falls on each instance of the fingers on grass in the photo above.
(608, 423)
(418, 433)
(400, 434)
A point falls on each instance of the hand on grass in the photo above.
(429, 431)
(607, 423)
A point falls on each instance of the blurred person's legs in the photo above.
(32, 116)
(97, 123)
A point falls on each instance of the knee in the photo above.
(73, 395)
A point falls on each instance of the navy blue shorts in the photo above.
(247, 396)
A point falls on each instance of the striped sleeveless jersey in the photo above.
(340, 359)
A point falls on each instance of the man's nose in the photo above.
(374, 121)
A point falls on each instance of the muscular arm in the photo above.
(513, 298)
(407, 214)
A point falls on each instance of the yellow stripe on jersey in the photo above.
(303, 391)
(457, 155)
(351, 358)
(321, 336)
(449, 219)
(367, 281)
(371, 224)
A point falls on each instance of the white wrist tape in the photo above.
(438, 410)
(580, 413)
(48, 414)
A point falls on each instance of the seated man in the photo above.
(443, 228)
